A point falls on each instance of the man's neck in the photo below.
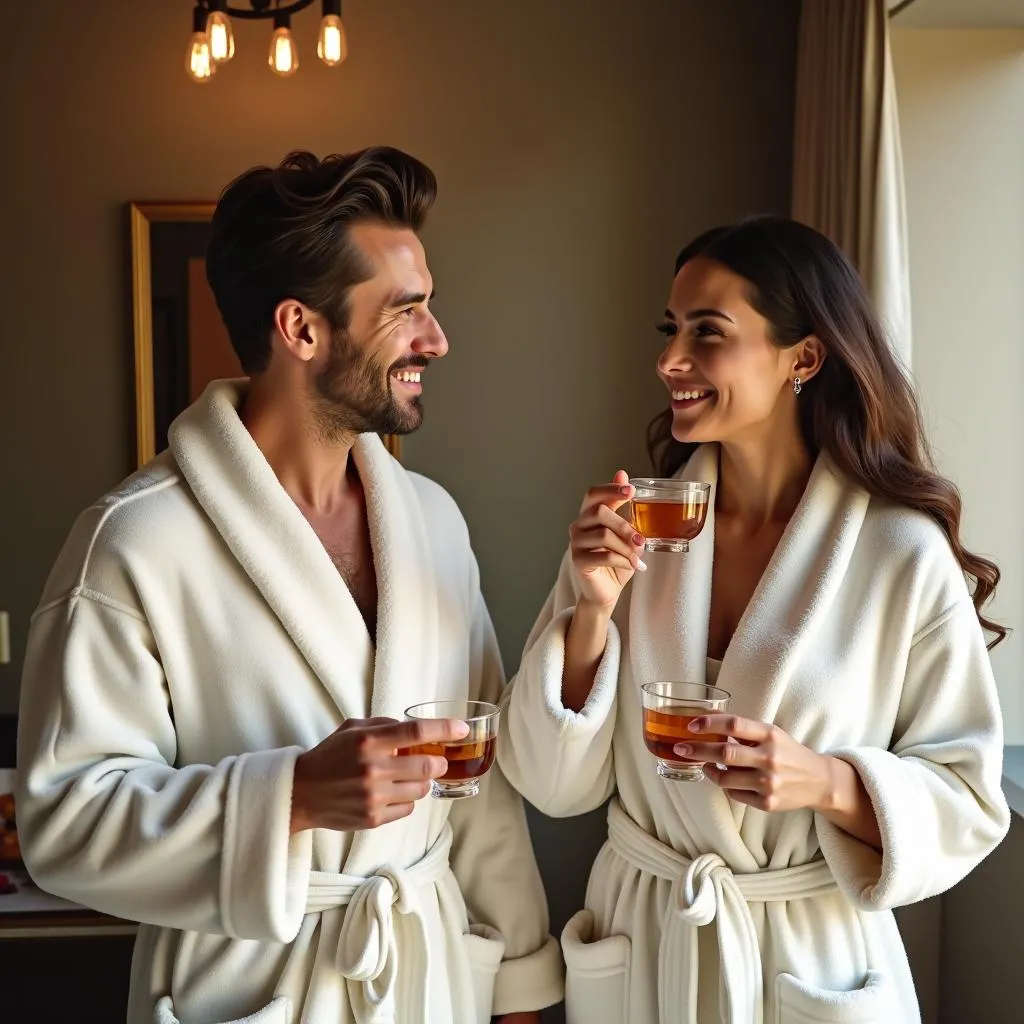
(313, 471)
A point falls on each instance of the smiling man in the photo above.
(211, 730)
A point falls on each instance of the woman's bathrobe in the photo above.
(194, 638)
(860, 641)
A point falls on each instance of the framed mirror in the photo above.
(180, 341)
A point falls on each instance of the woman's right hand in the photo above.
(605, 548)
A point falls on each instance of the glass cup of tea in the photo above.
(669, 708)
(468, 759)
(669, 513)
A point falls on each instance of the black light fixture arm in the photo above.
(258, 10)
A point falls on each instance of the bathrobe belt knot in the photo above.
(384, 917)
(705, 889)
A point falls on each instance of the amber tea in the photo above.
(668, 710)
(465, 760)
(668, 513)
(664, 729)
(468, 759)
(671, 520)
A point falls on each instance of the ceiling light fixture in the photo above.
(212, 42)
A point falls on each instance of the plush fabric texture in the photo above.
(193, 639)
(860, 641)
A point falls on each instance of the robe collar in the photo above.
(281, 554)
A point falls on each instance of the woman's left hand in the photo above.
(764, 766)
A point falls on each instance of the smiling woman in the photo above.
(764, 335)
(180, 343)
(816, 658)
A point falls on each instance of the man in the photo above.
(209, 735)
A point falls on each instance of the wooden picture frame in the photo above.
(172, 311)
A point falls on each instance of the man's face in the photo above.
(372, 377)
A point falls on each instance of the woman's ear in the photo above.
(809, 358)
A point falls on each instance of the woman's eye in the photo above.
(667, 328)
(707, 331)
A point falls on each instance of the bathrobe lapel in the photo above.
(279, 551)
(671, 603)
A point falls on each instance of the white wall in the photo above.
(961, 101)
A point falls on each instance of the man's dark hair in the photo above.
(283, 233)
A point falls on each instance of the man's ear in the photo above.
(301, 331)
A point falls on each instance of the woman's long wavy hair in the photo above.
(860, 408)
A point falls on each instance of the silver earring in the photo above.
(797, 387)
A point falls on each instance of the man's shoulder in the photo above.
(117, 529)
(148, 500)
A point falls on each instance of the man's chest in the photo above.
(346, 539)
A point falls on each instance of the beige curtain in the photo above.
(847, 160)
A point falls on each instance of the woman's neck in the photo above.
(761, 481)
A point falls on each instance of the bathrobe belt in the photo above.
(705, 889)
(383, 923)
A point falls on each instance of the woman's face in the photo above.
(728, 382)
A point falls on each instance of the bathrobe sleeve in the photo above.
(493, 860)
(937, 791)
(106, 819)
(560, 760)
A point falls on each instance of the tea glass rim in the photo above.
(659, 483)
(495, 710)
(722, 696)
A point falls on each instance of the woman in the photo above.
(828, 593)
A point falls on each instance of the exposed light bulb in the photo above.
(222, 39)
(332, 46)
(198, 61)
(284, 58)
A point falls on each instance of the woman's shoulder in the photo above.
(893, 530)
(911, 528)
(914, 552)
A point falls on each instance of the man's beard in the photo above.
(353, 394)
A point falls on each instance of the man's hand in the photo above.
(362, 777)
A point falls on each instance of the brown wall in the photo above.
(577, 149)
(578, 146)
(210, 355)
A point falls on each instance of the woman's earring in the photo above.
(797, 387)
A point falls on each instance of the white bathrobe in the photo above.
(860, 641)
(193, 639)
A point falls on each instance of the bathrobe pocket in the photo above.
(484, 949)
(799, 1003)
(596, 974)
(277, 1012)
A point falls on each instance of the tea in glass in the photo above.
(668, 513)
(668, 710)
(468, 759)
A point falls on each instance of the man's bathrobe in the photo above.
(860, 641)
(193, 639)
